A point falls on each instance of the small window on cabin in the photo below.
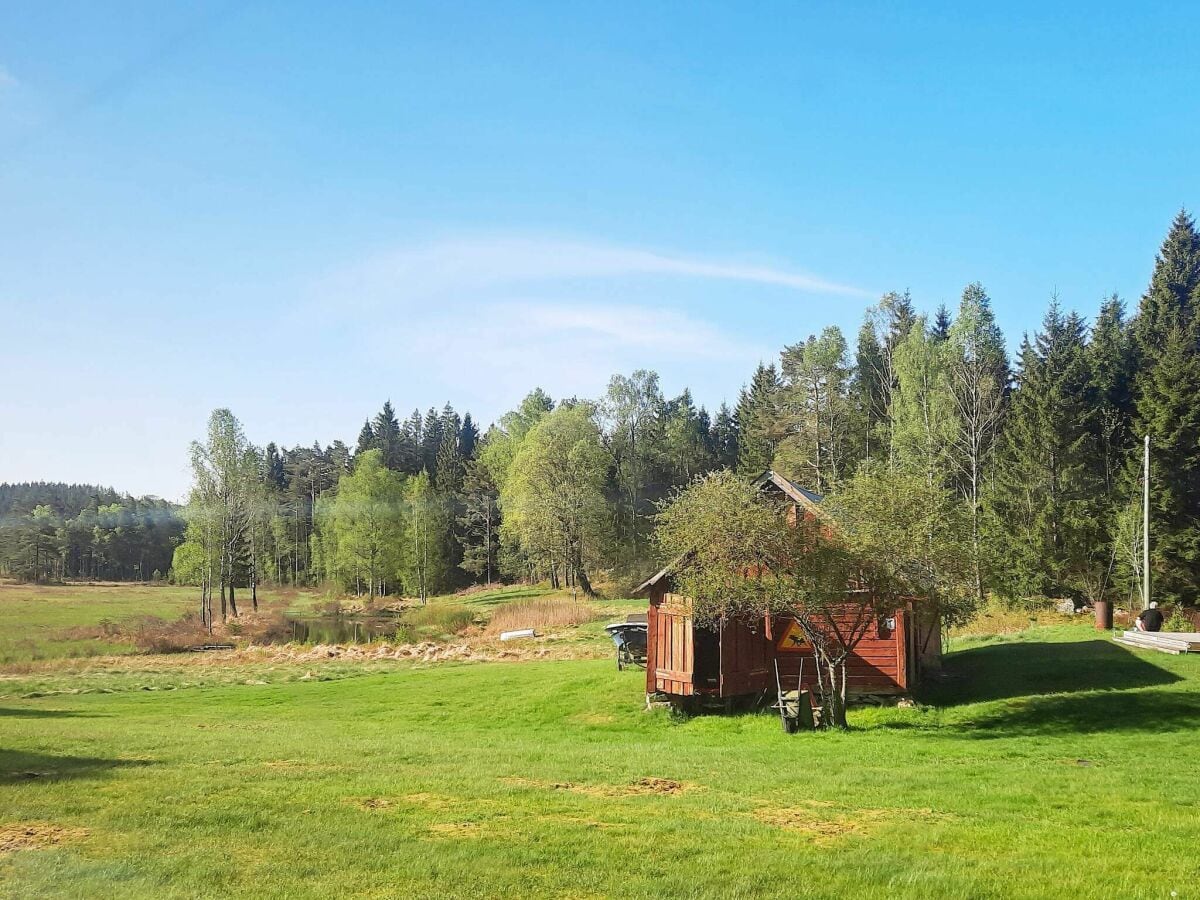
(885, 626)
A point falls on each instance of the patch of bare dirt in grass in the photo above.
(35, 835)
(456, 829)
(818, 820)
(657, 786)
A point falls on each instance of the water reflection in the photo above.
(343, 629)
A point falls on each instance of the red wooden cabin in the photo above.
(737, 660)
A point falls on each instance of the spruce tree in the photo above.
(869, 399)
(431, 440)
(387, 436)
(468, 437)
(1169, 301)
(1112, 357)
(1168, 411)
(410, 443)
(366, 439)
(941, 324)
(723, 438)
(1045, 507)
(758, 421)
(1166, 385)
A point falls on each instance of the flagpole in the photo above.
(1146, 527)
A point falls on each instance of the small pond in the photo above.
(343, 629)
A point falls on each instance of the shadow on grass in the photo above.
(1026, 669)
(17, 766)
(33, 713)
(1133, 711)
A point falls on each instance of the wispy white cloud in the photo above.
(483, 319)
(448, 267)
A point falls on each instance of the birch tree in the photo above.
(978, 375)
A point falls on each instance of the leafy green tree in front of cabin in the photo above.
(883, 539)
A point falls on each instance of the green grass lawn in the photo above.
(1052, 763)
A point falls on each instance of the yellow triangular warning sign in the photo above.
(792, 638)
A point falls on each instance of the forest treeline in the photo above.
(50, 532)
(1042, 452)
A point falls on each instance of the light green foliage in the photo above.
(978, 378)
(555, 509)
(367, 526)
(734, 552)
(189, 563)
(911, 539)
(426, 558)
(503, 442)
(924, 424)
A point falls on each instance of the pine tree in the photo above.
(758, 421)
(1168, 411)
(687, 450)
(274, 474)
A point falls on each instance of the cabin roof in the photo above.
(800, 495)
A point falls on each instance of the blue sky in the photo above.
(301, 210)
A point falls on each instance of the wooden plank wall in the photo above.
(746, 660)
(877, 665)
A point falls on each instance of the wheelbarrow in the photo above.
(630, 641)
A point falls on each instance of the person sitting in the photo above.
(1150, 619)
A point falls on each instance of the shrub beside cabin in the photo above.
(688, 663)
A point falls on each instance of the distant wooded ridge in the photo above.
(1043, 453)
(52, 531)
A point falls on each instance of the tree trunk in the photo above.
(582, 578)
(232, 598)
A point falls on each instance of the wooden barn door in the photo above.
(673, 653)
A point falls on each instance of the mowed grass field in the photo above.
(1049, 762)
